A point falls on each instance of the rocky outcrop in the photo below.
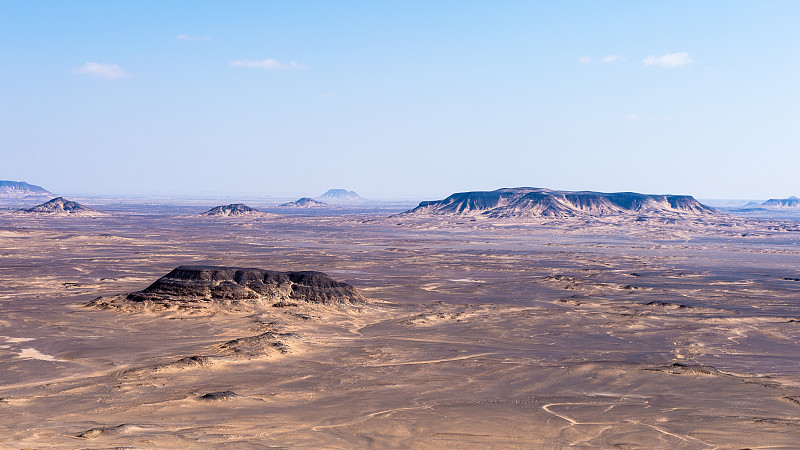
(537, 202)
(18, 189)
(61, 206)
(234, 209)
(304, 202)
(193, 287)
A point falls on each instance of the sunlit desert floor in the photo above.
(550, 334)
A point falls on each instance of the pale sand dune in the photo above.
(538, 334)
(32, 353)
(13, 340)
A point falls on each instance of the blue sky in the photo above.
(401, 99)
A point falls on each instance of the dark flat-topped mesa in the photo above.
(234, 209)
(791, 202)
(59, 205)
(198, 286)
(304, 202)
(538, 202)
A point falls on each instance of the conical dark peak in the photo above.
(59, 205)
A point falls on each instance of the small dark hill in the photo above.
(791, 202)
(59, 205)
(304, 202)
(536, 202)
(22, 189)
(234, 209)
(193, 287)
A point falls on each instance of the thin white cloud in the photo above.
(612, 58)
(670, 60)
(633, 116)
(188, 37)
(329, 95)
(269, 64)
(584, 59)
(108, 71)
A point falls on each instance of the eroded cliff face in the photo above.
(197, 287)
(537, 202)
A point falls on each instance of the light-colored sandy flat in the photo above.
(478, 334)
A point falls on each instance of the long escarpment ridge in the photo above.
(538, 202)
(197, 287)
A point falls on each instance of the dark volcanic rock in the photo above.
(791, 202)
(261, 344)
(59, 205)
(537, 202)
(191, 287)
(222, 395)
(304, 202)
(109, 431)
(234, 209)
(21, 189)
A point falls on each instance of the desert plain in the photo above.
(476, 333)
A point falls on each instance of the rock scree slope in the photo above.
(200, 286)
(539, 202)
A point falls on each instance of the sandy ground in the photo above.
(608, 334)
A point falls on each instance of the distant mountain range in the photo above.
(537, 202)
(22, 189)
(772, 204)
(341, 196)
(791, 202)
